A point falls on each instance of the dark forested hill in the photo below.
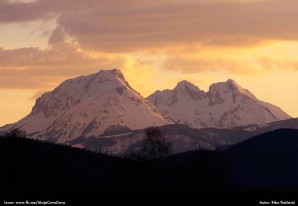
(34, 167)
(268, 162)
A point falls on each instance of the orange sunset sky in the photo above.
(154, 43)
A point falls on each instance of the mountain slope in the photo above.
(225, 105)
(87, 106)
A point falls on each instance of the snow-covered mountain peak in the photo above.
(229, 86)
(87, 106)
(80, 89)
(93, 85)
(117, 73)
(231, 81)
(186, 90)
(110, 75)
(225, 105)
(233, 85)
(182, 85)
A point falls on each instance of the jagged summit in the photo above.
(230, 85)
(231, 81)
(110, 74)
(233, 84)
(184, 83)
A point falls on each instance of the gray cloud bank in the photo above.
(117, 26)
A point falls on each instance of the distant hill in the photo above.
(266, 162)
(122, 142)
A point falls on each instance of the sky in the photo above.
(155, 44)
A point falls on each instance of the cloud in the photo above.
(57, 37)
(33, 68)
(117, 26)
(242, 66)
(196, 65)
(277, 64)
(97, 34)
(63, 57)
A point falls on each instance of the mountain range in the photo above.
(103, 109)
